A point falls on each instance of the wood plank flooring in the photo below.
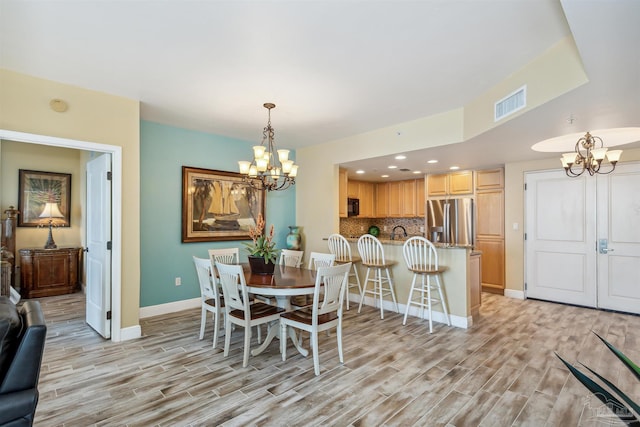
(500, 372)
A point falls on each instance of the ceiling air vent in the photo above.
(511, 103)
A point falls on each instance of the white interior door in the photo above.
(560, 246)
(619, 229)
(98, 257)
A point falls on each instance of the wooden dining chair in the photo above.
(211, 301)
(240, 311)
(325, 312)
(291, 258)
(421, 258)
(340, 247)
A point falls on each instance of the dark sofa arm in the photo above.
(24, 371)
(17, 409)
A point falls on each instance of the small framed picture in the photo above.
(44, 196)
(218, 205)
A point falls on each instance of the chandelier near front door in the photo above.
(589, 157)
(272, 172)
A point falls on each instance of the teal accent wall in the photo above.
(163, 256)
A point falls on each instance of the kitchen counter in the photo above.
(458, 281)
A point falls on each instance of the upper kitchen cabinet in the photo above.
(409, 198)
(489, 179)
(382, 200)
(365, 192)
(453, 184)
(437, 185)
(395, 199)
(342, 191)
(420, 197)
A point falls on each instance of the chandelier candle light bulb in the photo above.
(266, 171)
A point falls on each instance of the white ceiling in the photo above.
(334, 68)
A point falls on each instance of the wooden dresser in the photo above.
(48, 272)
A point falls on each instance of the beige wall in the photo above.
(17, 155)
(317, 183)
(94, 117)
(514, 212)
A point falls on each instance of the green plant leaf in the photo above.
(600, 392)
(613, 387)
(627, 362)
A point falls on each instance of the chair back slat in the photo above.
(370, 249)
(291, 258)
(335, 280)
(235, 297)
(224, 255)
(339, 246)
(203, 270)
(318, 259)
(420, 254)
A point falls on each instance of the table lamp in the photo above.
(51, 211)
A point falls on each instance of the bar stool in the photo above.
(339, 246)
(422, 260)
(372, 254)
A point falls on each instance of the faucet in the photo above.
(393, 232)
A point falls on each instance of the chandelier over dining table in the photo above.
(270, 169)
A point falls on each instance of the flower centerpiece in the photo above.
(262, 251)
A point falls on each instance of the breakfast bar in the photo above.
(461, 281)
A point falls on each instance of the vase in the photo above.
(294, 239)
(259, 266)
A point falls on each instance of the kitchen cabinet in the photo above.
(48, 272)
(342, 192)
(489, 179)
(395, 199)
(382, 200)
(490, 228)
(408, 198)
(420, 197)
(453, 184)
(437, 185)
(475, 288)
(366, 194)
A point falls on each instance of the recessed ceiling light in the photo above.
(384, 176)
(432, 161)
(417, 172)
(360, 171)
(392, 167)
(454, 168)
(400, 157)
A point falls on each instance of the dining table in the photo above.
(284, 283)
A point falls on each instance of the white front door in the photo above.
(98, 259)
(561, 233)
(583, 238)
(619, 235)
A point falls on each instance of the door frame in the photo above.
(116, 211)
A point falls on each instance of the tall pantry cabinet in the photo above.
(490, 228)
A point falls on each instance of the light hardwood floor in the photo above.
(500, 372)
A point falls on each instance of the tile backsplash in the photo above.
(350, 227)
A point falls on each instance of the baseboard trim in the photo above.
(130, 333)
(512, 293)
(437, 316)
(170, 307)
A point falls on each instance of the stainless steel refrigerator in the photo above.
(451, 221)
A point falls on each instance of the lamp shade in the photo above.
(51, 210)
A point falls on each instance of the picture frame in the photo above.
(218, 205)
(35, 190)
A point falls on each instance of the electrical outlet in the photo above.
(178, 281)
(362, 228)
(421, 229)
(384, 228)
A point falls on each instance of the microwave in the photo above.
(353, 207)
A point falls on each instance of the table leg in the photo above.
(273, 331)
